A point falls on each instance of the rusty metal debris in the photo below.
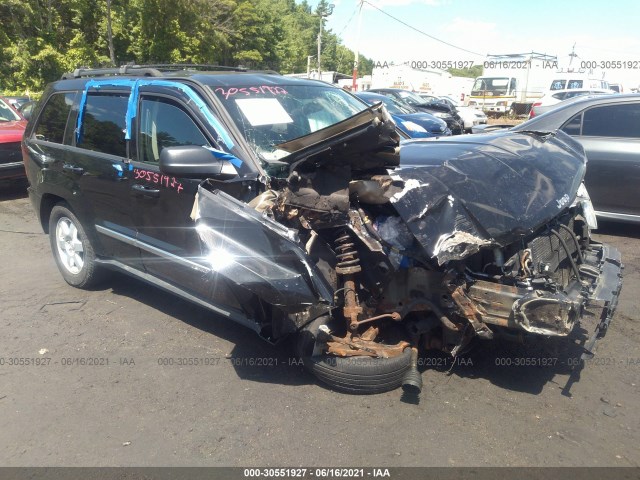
(364, 345)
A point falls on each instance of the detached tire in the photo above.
(361, 374)
(72, 249)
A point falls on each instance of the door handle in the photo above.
(73, 169)
(138, 189)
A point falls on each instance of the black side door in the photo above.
(163, 204)
(98, 163)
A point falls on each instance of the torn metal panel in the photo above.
(546, 313)
(459, 194)
(257, 253)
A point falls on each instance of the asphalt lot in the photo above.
(108, 390)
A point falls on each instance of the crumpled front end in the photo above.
(424, 246)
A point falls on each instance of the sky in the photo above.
(600, 31)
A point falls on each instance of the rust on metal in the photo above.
(364, 345)
(472, 312)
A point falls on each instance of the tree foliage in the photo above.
(471, 72)
(42, 39)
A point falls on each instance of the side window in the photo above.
(613, 121)
(558, 84)
(572, 127)
(104, 123)
(575, 84)
(164, 124)
(53, 120)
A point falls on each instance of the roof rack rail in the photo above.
(154, 70)
(173, 67)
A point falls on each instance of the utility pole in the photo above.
(322, 14)
(572, 54)
(309, 57)
(354, 85)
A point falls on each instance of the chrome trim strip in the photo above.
(151, 249)
(235, 315)
(11, 165)
(625, 217)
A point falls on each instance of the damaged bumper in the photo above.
(589, 301)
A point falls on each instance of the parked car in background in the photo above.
(12, 126)
(413, 123)
(26, 109)
(470, 116)
(549, 100)
(608, 128)
(616, 87)
(15, 102)
(434, 108)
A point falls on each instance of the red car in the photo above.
(12, 126)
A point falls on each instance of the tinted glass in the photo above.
(164, 124)
(103, 124)
(53, 120)
(575, 84)
(572, 127)
(613, 121)
(558, 84)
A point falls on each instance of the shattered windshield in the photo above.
(270, 115)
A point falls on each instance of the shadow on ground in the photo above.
(13, 189)
(512, 366)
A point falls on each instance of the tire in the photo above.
(72, 249)
(360, 374)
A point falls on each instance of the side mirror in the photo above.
(192, 161)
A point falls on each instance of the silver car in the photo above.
(608, 127)
(550, 100)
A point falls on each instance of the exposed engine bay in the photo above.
(446, 241)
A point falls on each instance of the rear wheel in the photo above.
(358, 374)
(72, 248)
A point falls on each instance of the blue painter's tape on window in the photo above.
(132, 108)
(235, 161)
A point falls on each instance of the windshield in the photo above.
(490, 86)
(6, 113)
(411, 98)
(391, 104)
(270, 115)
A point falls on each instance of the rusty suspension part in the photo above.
(348, 265)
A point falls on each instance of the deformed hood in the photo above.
(478, 190)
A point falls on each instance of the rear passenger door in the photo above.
(610, 135)
(98, 162)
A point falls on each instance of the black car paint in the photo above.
(613, 172)
(470, 185)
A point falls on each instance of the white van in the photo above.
(576, 80)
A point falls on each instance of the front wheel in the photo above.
(359, 374)
(72, 249)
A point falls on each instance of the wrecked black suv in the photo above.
(292, 207)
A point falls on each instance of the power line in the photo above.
(421, 32)
(348, 21)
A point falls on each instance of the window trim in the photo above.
(177, 103)
(582, 113)
(67, 134)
